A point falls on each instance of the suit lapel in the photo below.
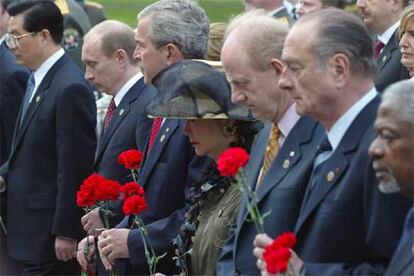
(338, 163)
(290, 153)
(37, 99)
(167, 129)
(387, 52)
(121, 112)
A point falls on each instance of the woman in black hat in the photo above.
(199, 93)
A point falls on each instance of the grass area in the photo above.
(127, 10)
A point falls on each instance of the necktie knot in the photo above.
(378, 47)
(324, 146)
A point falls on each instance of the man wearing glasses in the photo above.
(53, 144)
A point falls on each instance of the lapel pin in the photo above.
(167, 129)
(384, 58)
(220, 213)
(38, 99)
(292, 153)
(330, 176)
(162, 138)
(286, 164)
(121, 112)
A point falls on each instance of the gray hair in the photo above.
(400, 95)
(265, 42)
(338, 31)
(115, 35)
(181, 22)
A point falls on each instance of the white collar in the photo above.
(125, 88)
(386, 36)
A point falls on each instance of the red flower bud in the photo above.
(134, 205)
(130, 159)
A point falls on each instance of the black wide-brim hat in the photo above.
(192, 89)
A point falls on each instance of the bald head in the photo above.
(113, 35)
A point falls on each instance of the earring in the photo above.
(229, 130)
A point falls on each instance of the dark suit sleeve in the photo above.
(76, 144)
(11, 97)
(163, 231)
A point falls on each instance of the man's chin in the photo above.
(389, 187)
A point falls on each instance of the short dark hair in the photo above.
(39, 15)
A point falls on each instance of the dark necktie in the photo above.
(156, 126)
(324, 146)
(378, 47)
(109, 113)
(27, 96)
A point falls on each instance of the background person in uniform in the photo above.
(393, 154)
(275, 8)
(344, 217)
(383, 18)
(53, 146)
(167, 31)
(281, 156)
(13, 79)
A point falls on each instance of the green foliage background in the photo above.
(127, 10)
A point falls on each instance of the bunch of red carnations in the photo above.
(278, 253)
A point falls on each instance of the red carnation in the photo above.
(287, 239)
(130, 159)
(134, 205)
(108, 190)
(86, 196)
(277, 254)
(231, 160)
(132, 188)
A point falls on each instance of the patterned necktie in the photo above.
(271, 150)
(27, 96)
(156, 126)
(109, 113)
(378, 47)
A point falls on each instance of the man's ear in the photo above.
(173, 54)
(121, 56)
(277, 65)
(339, 67)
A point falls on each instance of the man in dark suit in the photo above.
(393, 154)
(254, 79)
(108, 55)
(53, 144)
(170, 165)
(13, 79)
(383, 18)
(346, 225)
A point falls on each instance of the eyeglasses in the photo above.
(12, 41)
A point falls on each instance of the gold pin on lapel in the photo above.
(286, 164)
(162, 138)
(121, 112)
(330, 176)
(38, 99)
(292, 153)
